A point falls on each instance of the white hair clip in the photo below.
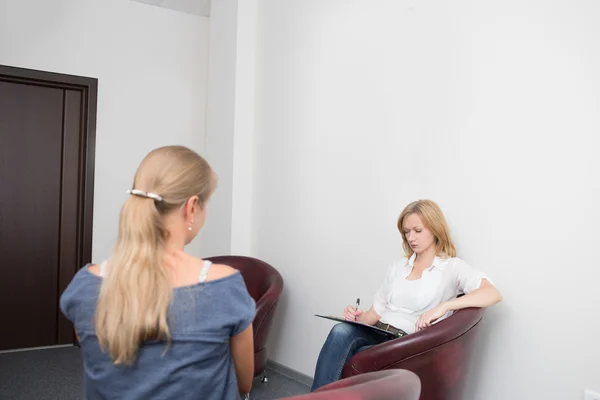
(141, 193)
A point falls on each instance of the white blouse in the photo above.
(400, 302)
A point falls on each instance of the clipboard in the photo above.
(331, 317)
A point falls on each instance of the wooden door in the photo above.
(47, 131)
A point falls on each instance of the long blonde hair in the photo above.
(136, 291)
(432, 217)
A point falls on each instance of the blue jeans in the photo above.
(344, 341)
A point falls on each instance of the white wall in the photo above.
(490, 109)
(242, 234)
(151, 64)
(220, 108)
(230, 126)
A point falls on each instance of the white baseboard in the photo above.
(36, 348)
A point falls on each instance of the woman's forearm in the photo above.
(369, 317)
(487, 295)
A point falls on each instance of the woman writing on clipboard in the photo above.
(420, 289)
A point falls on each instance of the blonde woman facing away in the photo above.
(419, 290)
(153, 321)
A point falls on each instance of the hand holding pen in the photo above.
(351, 313)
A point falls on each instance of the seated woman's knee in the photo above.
(342, 330)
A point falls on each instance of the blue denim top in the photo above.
(196, 365)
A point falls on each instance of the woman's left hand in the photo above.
(430, 316)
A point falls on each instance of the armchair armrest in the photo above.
(382, 385)
(264, 313)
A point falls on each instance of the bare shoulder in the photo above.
(218, 271)
(94, 269)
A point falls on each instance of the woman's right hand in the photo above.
(351, 313)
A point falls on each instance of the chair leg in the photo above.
(264, 378)
(76, 338)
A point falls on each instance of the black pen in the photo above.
(357, 304)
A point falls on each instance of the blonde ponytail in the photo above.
(136, 291)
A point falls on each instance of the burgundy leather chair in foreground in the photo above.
(264, 284)
(382, 385)
(439, 355)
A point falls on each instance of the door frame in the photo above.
(88, 87)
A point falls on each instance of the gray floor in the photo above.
(53, 374)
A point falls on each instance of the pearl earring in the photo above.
(190, 227)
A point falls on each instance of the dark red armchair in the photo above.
(439, 355)
(382, 385)
(264, 284)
